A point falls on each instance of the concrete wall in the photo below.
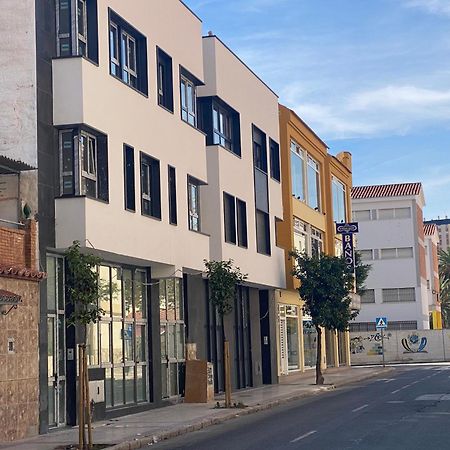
(18, 81)
(400, 346)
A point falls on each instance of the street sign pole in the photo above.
(382, 346)
(381, 324)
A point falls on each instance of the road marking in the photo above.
(434, 397)
(303, 436)
(360, 408)
(395, 402)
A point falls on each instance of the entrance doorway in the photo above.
(309, 343)
(289, 338)
(56, 336)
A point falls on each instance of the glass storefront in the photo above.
(289, 338)
(118, 342)
(309, 343)
(172, 337)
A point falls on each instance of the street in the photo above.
(409, 409)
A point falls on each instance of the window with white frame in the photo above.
(222, 127)
(338, 247)
(396, 253)
(129, 65)
(300, 236)
(188, 101)
(82, 27)
(362, 215)
(305, 174)
(114, 49)
(394, 213)
(338, 192)
(399, 295)
(366, 255)
(194, 204)
(150, 186)
(368, 296)
(316, 242)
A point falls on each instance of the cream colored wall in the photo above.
(86, 93)
(235, 84)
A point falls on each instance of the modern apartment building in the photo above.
(443, 229)
(316, 195)
(392, 240)
(156, 149)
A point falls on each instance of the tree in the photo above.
(325, 287)
(82, 284)
(444, 277)
(224, 278)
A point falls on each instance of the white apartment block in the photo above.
(391, 239)
(443, 229)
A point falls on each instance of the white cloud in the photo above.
(431, 6)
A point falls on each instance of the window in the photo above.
(123, 334)
(130, 191)
(221, 123)
(127, 53)
(366, 255)
(229, 213)
(368, 296)
(83, 164)
(394, 213)
(297, 171)
(172, 336)
(165, 80)
(338, 192)
(313, 184)
(150, 187)
(81, 23)
(300, 236)
(222, 127)
(275, 171)
(259, 149)
(394, 253)
(262, 233)
(188, 92)
(399, 295)
(316, 242)
(242, 223)
(392, 326)
(362, 215)
(173, 220)
(194, 204)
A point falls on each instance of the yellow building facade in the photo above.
(316, 190)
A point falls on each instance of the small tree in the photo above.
(444, 279)
(83, 290)
(224, 278)
(325, 287)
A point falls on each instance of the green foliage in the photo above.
(444, 276)
(223, 278)
(325, 287)
(82, 286)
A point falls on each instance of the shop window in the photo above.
(172, 336)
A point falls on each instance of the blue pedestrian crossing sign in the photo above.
(381, 322)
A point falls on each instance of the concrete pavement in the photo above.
(143, 429)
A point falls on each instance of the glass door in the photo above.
(56, 335)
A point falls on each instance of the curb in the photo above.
(205, 423)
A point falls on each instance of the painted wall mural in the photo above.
(414, 344)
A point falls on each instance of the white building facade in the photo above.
(391, 240)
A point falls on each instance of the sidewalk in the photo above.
(140, 430)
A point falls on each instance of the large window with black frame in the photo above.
(118, 342)
(172, 337)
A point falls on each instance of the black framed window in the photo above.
(259, 149)
(127, 53)
(172, 195)
(275, 171)
(241, 209)
(229, 214)
(150, 187)
(129, 182)
(79, 19)
(221, 123)
(262, 233)
(194, 204)
(165, 79)
(83, 163)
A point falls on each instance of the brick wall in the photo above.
(18, 247)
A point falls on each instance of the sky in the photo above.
(369, 76)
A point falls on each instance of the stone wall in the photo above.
(400, 346)
(19, 383)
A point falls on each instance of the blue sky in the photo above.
(370, 76)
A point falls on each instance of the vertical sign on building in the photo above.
(347, 230)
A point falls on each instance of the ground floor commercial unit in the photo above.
(137, 351)
(297, 338)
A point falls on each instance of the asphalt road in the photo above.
(409, 410)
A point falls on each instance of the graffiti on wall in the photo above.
(414, 344)
(373, 344)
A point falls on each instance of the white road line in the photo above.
(360, 408)
(303, 436)
(396, 402)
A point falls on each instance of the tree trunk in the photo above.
(319, 377)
